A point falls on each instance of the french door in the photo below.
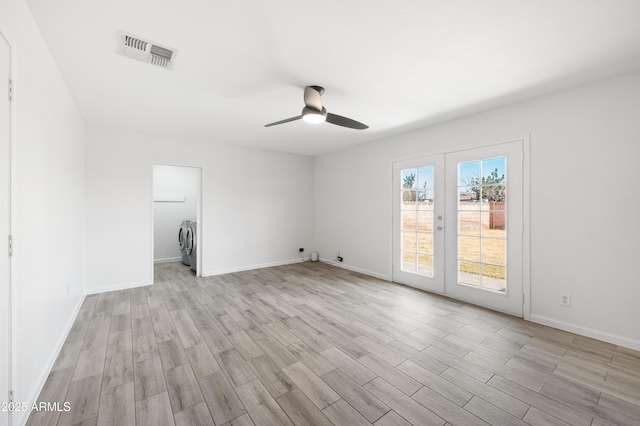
(418, 238)
(461, 234)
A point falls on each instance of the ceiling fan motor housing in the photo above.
(318, 89)
(312, 115)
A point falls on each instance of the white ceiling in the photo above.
(394, 65)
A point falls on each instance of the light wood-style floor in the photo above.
(310, 344)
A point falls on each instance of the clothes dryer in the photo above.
(192, 245)
(182, 241)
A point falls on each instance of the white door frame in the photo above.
(199, 214)
(7, 322)
(526, 208)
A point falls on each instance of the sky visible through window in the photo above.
(471, 169)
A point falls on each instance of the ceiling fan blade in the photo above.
(286, 120)
(312, 97)
(345, 122)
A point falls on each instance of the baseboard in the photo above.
(117, 287)
(24, 415)
(355, 269)
(587, 332)
(168, 260)
(251, 267)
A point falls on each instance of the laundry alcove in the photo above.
(175, 198)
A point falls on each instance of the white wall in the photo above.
(584, 154)
(48, 209)
(168, 215)
(257, 205)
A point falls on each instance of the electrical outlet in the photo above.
(340, 258)
(565, 300)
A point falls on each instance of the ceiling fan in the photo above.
(314, 112)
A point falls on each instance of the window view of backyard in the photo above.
(481, 224)
(417, 220)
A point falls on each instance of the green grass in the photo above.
(493, 251)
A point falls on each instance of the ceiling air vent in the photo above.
(146, 51)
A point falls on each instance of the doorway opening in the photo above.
(177, 219)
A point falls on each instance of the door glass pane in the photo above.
(425, 265)
(493, 277)
(469, 173)
(409, 200)
(409, 261)
(497, 220)
(493, 197)
(409, 242)
(469, 248)
(493, 170)
(482, 223)
(469, 223)
(425, 199)
(468, 198)
(425, 178)
(417, 220)
(485, 223)
(493, 251)
(425, 242)
(409, 179)
(493, 183)
(409, 220)
(425, 221)
(469, 273)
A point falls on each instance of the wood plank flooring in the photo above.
(313, 344)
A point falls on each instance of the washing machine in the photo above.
(192, 244)
(182, 241)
